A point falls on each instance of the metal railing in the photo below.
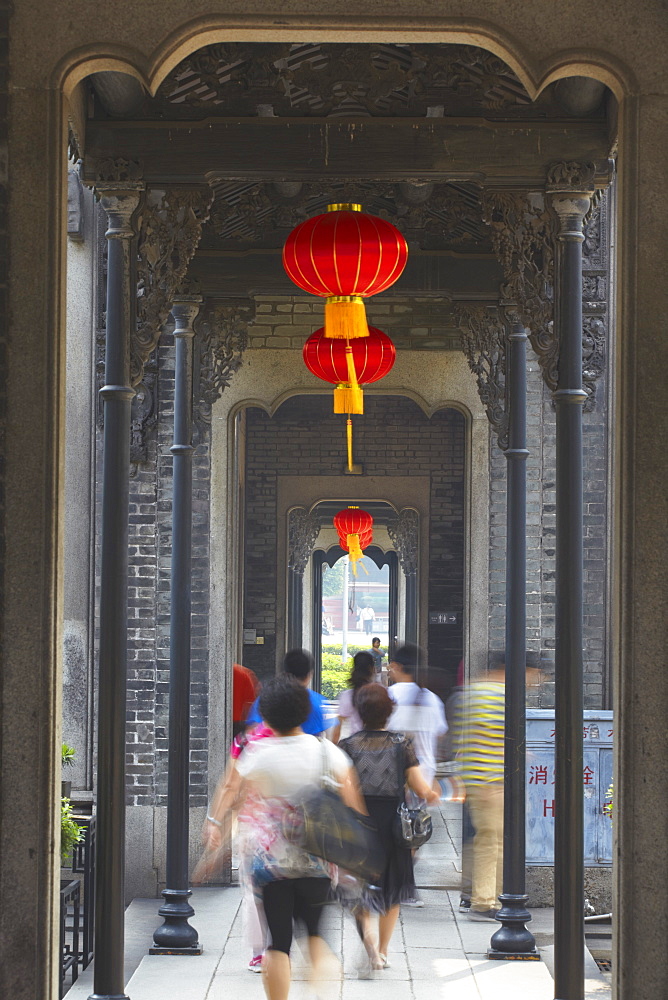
(77, 908)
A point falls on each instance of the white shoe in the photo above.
(413, 902)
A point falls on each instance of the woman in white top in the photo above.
(278, 770)
(348, 717)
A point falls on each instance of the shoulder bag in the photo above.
(323, 825)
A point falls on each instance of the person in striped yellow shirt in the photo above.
(479, 730)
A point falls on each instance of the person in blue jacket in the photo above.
(299, 664)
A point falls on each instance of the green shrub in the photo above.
(67, 755)
(70, 832)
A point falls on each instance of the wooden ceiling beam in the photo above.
(228, 274)
(495, 154)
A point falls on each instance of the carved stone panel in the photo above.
(405, 536)
(222, 338)
(523, 232)
(303, 529)
(170, 226)
(484, 344)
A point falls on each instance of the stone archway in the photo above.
(32, 554)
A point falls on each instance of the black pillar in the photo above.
(176, 936)
(513, 940)
(570, 205)
(117, 395)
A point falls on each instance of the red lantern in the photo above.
(354, 527)
(345, 256)
(349, 365)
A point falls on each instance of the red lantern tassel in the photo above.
(349, 441)
(354, 550)
(345, 317)
(348, 396)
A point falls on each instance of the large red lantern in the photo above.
(349, 365)
(344, 256)
(354, 527)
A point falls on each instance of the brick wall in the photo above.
(421, 322)
(393, 438)
(150, 529)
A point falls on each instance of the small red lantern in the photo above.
(348, 366)
(354, 527)
(344, 256)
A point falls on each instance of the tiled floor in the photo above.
(436, 951)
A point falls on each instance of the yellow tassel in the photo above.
(345, 317)
(354, 550)
(349, 439)
(348, 398)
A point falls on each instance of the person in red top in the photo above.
(245, 688)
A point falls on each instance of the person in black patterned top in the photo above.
(385, 763)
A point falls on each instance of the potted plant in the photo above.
(70, 832)
(67, 757)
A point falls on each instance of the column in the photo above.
(513, 940)
(570, 187)
(119, 202)
(176, 936)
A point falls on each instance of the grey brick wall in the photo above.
(421, 322)
(393, 438)
(150, 529)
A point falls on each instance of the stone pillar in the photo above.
(570, 189)
(405, 535)
(176, 934)
(303, 530)
(120, 202)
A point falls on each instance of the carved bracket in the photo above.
(523, 232)
(170, 226)
(404, 534)
(303, 529)
(222, 330)
(484, 344)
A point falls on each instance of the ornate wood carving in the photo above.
(523, 232)
(222, 329)
(443, 214)
(144, 412)
(111, 170)
(595, 296)
(334, 79)
(170, 226)
(303, 530)
(523, 236)
(404, 534)
(484, 344)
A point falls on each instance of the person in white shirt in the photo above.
(419, 713)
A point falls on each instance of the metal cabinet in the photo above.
(597, 736)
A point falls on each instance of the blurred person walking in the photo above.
(479, 723)
(299, 664)
(347, 716)
(419, 714)
(278, 771)
(385, 762)
(245, 688)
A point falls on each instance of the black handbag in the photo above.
(412, 826)
(323, 825)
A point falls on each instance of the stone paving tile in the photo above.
(436, 953)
